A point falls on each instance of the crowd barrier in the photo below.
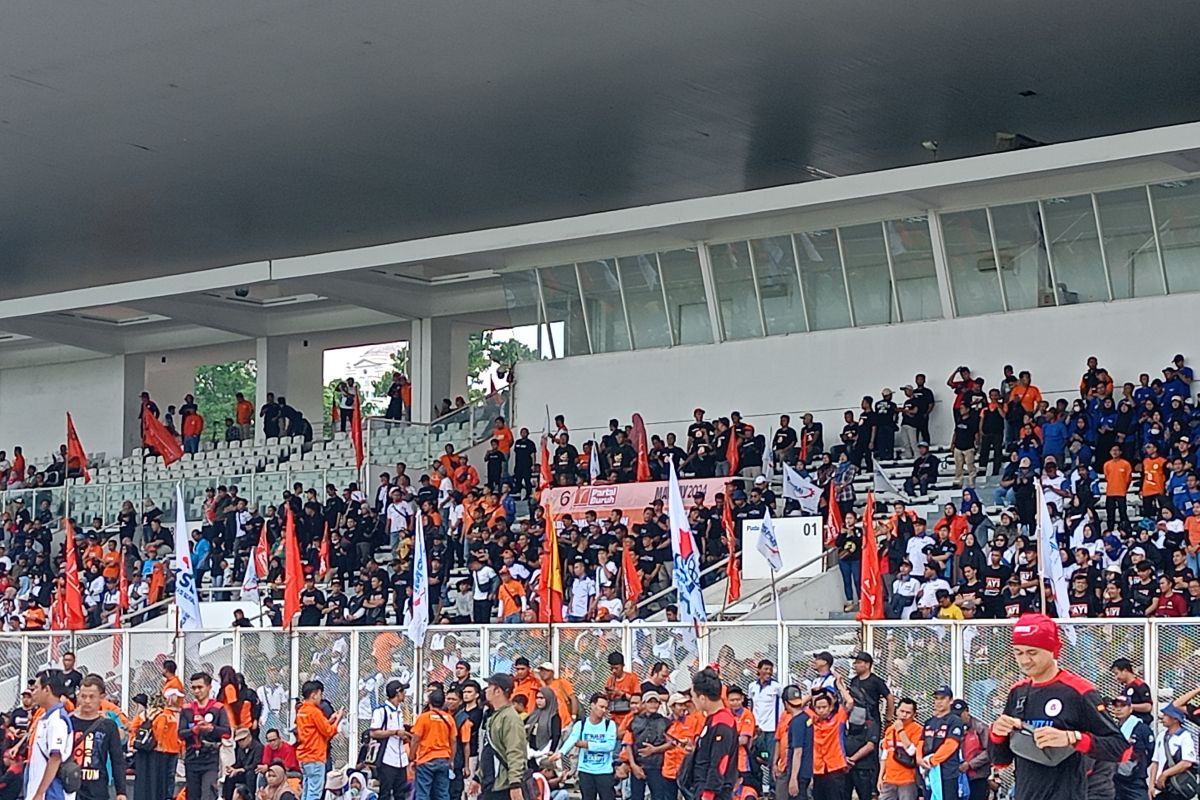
(974, 658)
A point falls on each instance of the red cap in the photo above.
(1037, 630)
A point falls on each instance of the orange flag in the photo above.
(262, 553)
(833, 525)
(550, 591)
(733, 570)
(630, 578)
(870, 591)
(643, 448)
(158, 582)
(323, 567)
(356, 433)
(75, 452)
(293, 572)
(156, 435)
(74, 593)
(122, 605)
(731, 451)
(335, 416)
(544, 474)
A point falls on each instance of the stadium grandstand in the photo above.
(861, 394)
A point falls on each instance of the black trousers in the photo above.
(481, 612)
(862, 781)
(1117, 509)
(993, 444)
(393, 782)
(831, 786)
(1131, 789)
(597, 787)
(202, 782)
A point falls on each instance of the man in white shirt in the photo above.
(915, 549)
(387, 728)
(583, 593)
(52, 741)
(483, 591)
(612, 606)
(764, 695)
(905, 589)
(399, 515)
(1174, 752)
(927, 595)
(1054, 484)
(445, 487)
(273, 697)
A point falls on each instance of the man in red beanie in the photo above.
(1052, 719)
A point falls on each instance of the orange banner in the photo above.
(628, 498)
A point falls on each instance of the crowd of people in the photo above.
(529, 734)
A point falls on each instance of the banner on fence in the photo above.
(799, 539)
(629, 498)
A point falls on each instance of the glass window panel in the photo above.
(775, 265)
(824, 285)
(605, 315)
(970, 263)
(644, 301)
(1129, 243)
(735, 290)
(687, 305)
(1075, 249)
(1177, 212)
(867, 274)
(524, 308)
(1025, 270)
(561, 291)
(912, 267)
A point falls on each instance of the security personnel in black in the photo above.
(862, 752)
(622, 459)
(523, 450)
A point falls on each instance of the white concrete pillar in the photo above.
(133, 383)
(305, 369)
(271, 361)
(438, 351)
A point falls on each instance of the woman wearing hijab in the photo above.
(979, 523)
(543, 725)
(972, 553)
(843, 482)
(277, 787)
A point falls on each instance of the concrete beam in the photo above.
(61, 330)
(209, 314)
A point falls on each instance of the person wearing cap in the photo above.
(681, 736)
(941, 739)
(830, 761)
(645, 743)
(247, 754)
(825, 680)
(870, 689)
(1133, 688)
(1130, 780)
(976, 761)
(499, 772)
(924, 472)
(1171, 767)
(387, 728)
(564, 691)
(793, 739)
(884, 426)
(1052, 718)
(898, 748)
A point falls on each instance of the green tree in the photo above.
(484, 351)
(380, 387)
(216, 387)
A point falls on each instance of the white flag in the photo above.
(687, 563)
(883, 484)
(768, 545)
(801, 489)
(250, 583)
(1080, 532)
(419, 620)
(1049, 557)
(186, 597)
(594, 463)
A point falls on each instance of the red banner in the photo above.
(156, 436)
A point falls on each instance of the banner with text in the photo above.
(629, 498)
(800, 539)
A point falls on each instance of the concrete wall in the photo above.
(829, 371)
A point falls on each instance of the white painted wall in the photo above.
(35, 400)
(828, 372)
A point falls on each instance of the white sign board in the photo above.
(801, 539)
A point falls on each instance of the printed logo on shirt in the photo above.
(1054, 707)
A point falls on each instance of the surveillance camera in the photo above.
(930, 144)
(242, 291)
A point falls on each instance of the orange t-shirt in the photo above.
(744, 720)
(240, 714)
(436, 730)
(313, 732)
(1192, 526)
(893, 771)
(166, 732)
(781, 740)
(384, 646)
(627, 683)
(679, 732)
(504, 439)
(1028, 396)
(1154, 476)
(244, 412)
(511, 594)
(529, 686)
(112, 564)
(1117, 474)
(829, 753)
(173, 691)
(563, 690)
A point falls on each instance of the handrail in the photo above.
(781, 576)
(671, 589)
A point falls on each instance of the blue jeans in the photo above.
(191, 444)
(1004, 497)
(313, 785)
(851, 578)
(432, 780)
(660, 788)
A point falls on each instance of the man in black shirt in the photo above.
(72, 678)
(1114, 605)
(1059, 711)
(699, 432)
(97, 745)
(783, 443)
(564, 463)
(312, 602)
(884, 423)
(622, 459)
(523, 450)
(1081, 598)
(924, 399)
(714, 767)
(924, 471)
(869, 689)
(494, 462)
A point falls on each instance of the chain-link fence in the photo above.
(102, 654)
(840, 641)
(914, 659)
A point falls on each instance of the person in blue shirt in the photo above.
(1144, 391)
(800, 740)
(595, 739)
(1174, 385)
(1054, 435)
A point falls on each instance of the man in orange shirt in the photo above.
(1025, 392)
(504, 439)
(1117, 474)
(829, 740)
(524, 681)
(192, 427)
(620, 687)
(512, 603)
(681, 736)
(172, 690)
(313, 732)
(564, 691)
(744, 723)
(1154, 481)
(434, 739)
(898, 777)
(243, 412)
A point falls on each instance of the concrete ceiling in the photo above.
(141, 138)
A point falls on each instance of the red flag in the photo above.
(630, 578)
(803, 447)
(833, 524)
(262, 553)
(75, 451)
(122, 605)
(293, 570)
(156, 435)
(731, 451)
(870, 594)
(73, 618)
(643, 449)
(323, 566)
(158, 582)
(550, 588)
(356, 433)
(544, 468)
(733, 570)
(492, 385)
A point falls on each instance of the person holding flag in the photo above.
(799, 491)
(733, 569)
(77, 462)
(870, 581)
(418, 620)
(687, 564)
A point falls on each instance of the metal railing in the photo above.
(463, 428)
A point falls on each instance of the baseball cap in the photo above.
(676, 699)
(823, 655)
(1118, 700)
(649, 697)
(943, 691)
(792, 694)
(546, 665)
(739, 495)
(395, 687)
(959, 706)
(864, 657)
(760, 480)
